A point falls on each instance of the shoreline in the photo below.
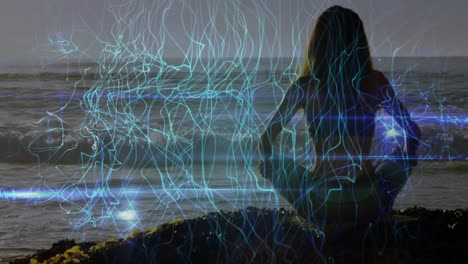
(263, 235)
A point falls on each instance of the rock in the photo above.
(57, 249)
(263, 235)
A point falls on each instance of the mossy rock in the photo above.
(278, 236)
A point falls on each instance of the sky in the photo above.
(48, 30)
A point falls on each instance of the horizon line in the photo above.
(22, 62)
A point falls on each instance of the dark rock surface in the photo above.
(415, 235)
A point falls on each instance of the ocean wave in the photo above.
(65, 145)
(40, 76)
(169, 76)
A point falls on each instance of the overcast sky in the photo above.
(49, 29)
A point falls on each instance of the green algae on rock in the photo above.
(264, 235)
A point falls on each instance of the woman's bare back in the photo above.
(344, 184)
(347, 152)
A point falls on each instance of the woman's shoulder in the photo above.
(375, 83)
(379, 77)
(377, 89)
(306, 85)
(304, 82)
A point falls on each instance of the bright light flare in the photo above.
(23, 195)
(391, 133)
(127, 215)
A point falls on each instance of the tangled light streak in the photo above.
(170, 124)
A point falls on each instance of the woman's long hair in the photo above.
(338, 60)
(338, 55)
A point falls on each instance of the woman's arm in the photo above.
(292, 102)
(395, 108)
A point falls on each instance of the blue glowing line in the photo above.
(82, 193)
(144, 111)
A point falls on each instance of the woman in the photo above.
(340, 93)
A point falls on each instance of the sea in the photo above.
(91, 150)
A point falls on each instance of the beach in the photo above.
(86, 158)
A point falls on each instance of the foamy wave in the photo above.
(67, 146)
(70, 147)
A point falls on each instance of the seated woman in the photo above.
(340, 93)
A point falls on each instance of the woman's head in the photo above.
(338, 49)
